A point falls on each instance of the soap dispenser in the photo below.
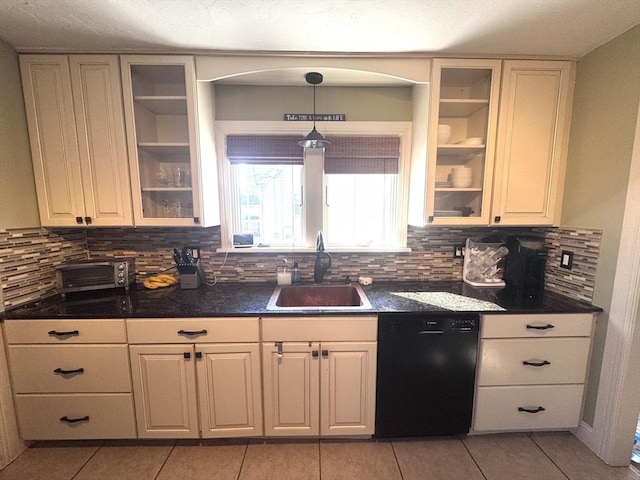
(295, 273)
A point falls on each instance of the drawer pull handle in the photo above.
(74, 420)
(68, 372)
(536, 364)
(64, 334)
(541, 327)
(531, 410)
(192, 332)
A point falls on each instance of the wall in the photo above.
(604, 117)
(17, 186)
(234, 102)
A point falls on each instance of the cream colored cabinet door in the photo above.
(164, 390)
(291, 388)
(46, 85)
(76, 131)
(531, 149)
(229, 389)
(97, 94)
(347, 386)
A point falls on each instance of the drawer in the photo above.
(191, 330)
(496, 408)
(105, 368)
(537, 325)
(347, 328)
(66, 331)
(109, 416)
(550, 360)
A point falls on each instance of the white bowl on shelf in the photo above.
(461, 177)
(444, 133)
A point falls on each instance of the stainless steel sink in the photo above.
(319, 297)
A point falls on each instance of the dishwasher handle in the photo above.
(429, 332)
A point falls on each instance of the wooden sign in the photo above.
(319, 117)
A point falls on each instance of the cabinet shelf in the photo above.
(461, 107)
(163, 104)
(166, 189)
(165, 148)
(454, 189)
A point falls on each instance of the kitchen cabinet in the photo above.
(77, 136)
(319, 375)
(168, 175)
(532, 142)
(464, 97)
(531, 371)
(196, 377)
(71, 379)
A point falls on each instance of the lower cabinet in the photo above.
(71, 379)
(531, 372)
(321, 387)
(197, 389)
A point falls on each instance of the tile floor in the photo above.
(544, 456)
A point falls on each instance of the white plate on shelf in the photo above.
(471, 141)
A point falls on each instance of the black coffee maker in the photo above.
(524, 269)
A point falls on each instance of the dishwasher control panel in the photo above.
(464, 324)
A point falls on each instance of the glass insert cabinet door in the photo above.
(159, 109)
(463, 122)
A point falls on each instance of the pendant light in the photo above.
(314, 139)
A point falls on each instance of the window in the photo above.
(355, 190)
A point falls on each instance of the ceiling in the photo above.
(550, 28)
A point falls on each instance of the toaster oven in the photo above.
(95, 274)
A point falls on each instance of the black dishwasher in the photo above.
(426, 374)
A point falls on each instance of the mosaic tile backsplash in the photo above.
(28, 257)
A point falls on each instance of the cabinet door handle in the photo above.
(536, 364)
(186, 355)
(314, 353)
(68, 372)
(74, 420)
(196, 220)
(64, 334)
(540, 327)
(325, 353)
(192, 332)
(497, 219)
(87, 220)
(198, 355)
(531, 410)
(79, 220)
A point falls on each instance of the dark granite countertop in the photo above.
(242, 299)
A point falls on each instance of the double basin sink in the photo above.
(319, 297)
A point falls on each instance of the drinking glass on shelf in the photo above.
(183, 177)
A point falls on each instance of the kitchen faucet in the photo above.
(323, 260)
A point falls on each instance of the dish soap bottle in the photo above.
(295, 273)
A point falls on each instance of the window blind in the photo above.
(265, 149)
(362, 155)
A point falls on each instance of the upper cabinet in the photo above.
(161, 113)
(531, 148)
(76, 131)
(496, 143)
(463, 119)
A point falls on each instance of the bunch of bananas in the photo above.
(160, 280)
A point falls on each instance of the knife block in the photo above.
(191, 276)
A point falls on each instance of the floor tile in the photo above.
(127, 461)
(50, 461)
(350, 460)
(511, 457)
(576, 460)
(206, 461)
(281, 461)
(437, 458)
